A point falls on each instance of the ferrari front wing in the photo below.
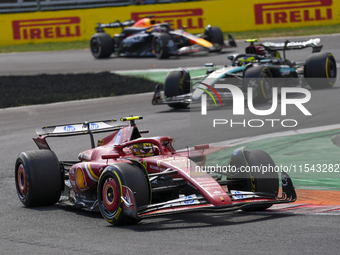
(194, 203)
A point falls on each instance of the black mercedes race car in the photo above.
(146, 38)
(256, 69)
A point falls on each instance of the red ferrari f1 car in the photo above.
(128, 177)
(146, 38)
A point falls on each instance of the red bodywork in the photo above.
(115, 149)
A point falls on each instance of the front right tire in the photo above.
(177, 83)
(160, 45)
(257, 181)
(320, 70)
(109, 192)
(215, 35)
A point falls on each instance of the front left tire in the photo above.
(261, 80)
(101, 45)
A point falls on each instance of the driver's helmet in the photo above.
(157, 28)
(162, 28)
(244, 61)
(142, 149)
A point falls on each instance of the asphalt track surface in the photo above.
(57, 229)
(82, 61)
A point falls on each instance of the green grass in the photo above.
(286, 32)
(46, 47)
(282, 32)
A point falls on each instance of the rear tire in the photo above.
(267, 182)
(320, 65)
(160, 45)
(101, 45)
(109, 192)
(263, 78)
(38, 178)
(177, 83)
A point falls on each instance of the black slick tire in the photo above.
(109, 192)
(160, 45)
(38, 178)
(320, 70)
(262, 76)
(258, 181)
(101, 45)
(177, 83)
(216, 36)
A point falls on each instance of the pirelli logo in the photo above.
(46, 28)
(293, 11)
(189, 18)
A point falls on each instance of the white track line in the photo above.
(160, 69)
(243, 140)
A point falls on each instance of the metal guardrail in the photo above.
(14, 6)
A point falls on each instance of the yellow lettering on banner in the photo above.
(73, 25)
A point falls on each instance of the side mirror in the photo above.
(209, 65)
(231, 57)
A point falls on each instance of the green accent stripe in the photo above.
(209, 94)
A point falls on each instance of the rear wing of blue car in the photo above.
(294, 45)
(116, 24)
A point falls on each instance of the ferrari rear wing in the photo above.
(295, 45)
(82, 128)
(79, 128)
(74, 129)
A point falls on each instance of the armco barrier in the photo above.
(229, 15)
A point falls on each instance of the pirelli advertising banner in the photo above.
(229, 15)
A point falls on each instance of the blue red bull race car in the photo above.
(146, 38)
(128, 177)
